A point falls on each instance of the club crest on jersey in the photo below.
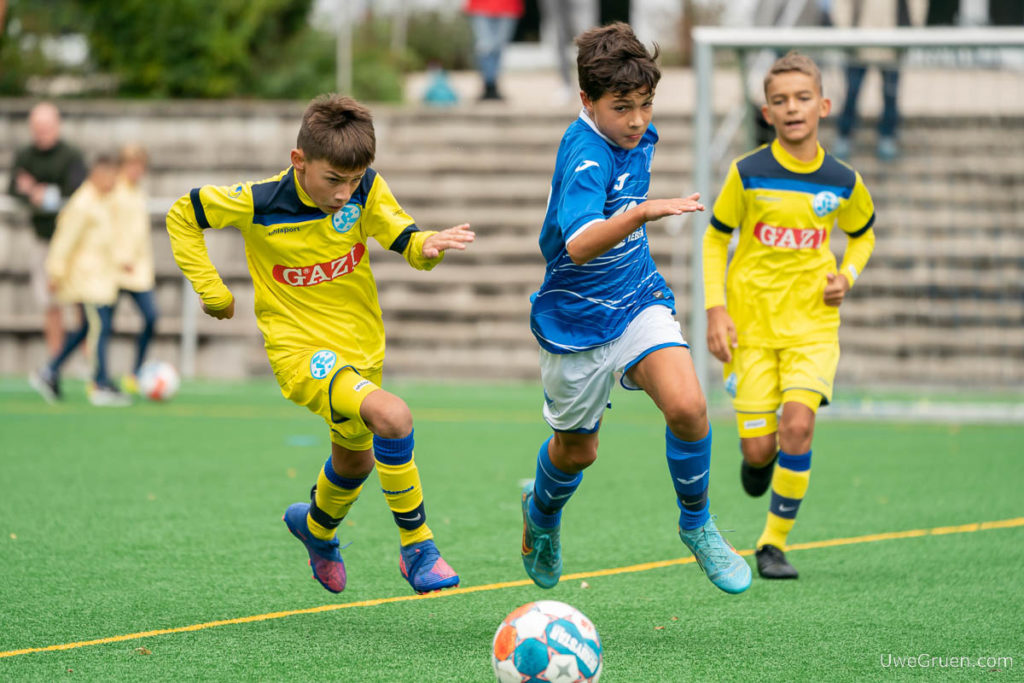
(236, 191)
(321, 364)
(825, 203)
(305, 276)
(345, 218)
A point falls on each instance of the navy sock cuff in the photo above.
(796, 463)
(393, 451)
(677, 445)
(340, 481)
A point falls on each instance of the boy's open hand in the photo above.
(836, 288)
(452, 238)
(659, 208)
(721, 333)
(221, 313)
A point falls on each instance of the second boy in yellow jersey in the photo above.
(775, 323)
(305, 233)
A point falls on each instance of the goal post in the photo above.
(710, 148)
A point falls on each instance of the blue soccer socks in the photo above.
(689, 463)
(552, 489)
(400, 482)
(324, 556)
(789, 486)
(333, 496)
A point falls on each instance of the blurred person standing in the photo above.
(133, 249)
(81, 270)
(493, 23)
(872, 14)
(43, 176)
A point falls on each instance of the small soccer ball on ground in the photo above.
(158, 380)
(546, 640)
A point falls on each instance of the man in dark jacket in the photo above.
(43, 176)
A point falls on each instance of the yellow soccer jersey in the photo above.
(310, 271)
(784, 210)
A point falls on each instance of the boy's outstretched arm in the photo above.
(189, 249)
(457, 237)
(599, 237)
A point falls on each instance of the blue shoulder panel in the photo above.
(361, 193)
(277, 201)
(762, 170)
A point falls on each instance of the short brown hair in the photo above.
(339, 130)
(793, 61)
(611, 59)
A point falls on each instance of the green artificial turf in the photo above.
(160, 516)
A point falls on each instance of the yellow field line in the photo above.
(646, 566)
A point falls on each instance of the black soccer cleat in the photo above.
(756, 480)
(772, 564)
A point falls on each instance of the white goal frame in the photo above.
(711, 145)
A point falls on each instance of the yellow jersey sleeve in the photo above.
(730, 206)
(207, 207)
(394, 229)
(857, 215)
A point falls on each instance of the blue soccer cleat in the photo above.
(542, 548)
(723, 565)
(423, 567)
(324, 557)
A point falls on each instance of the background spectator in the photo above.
(494, 23)
(133, 249)
(43, 176)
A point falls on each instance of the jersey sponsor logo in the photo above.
(279, 231)
(362, 384)
(346, 217)
(585, 165)
(621, 182)
(789, 238)
(755, 424)
(305, 276)
(825, 202)
(321, 364)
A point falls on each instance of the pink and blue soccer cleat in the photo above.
(424, 568)
(324, 556)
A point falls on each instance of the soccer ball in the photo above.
(158, 380)
(546, 640)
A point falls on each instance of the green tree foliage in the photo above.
(192, 48)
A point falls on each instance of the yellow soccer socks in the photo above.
(332, 498)
(400, 482)
(789, 486)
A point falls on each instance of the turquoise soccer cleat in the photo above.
(324, 556)
(723, 565)
(542, 548)
(423, 567)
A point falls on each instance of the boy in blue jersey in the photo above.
(774, 322)
(604, 308)
(305, 232)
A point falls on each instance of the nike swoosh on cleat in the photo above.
(693, 480)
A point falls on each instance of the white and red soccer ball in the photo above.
(546, 640)
(158, 380)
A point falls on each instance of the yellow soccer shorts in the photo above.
(762, 379)
(320, 380)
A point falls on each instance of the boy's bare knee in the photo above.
(688, 421)
(386, 415)
(759, 451)
(570, 455)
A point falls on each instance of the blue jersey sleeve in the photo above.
(587, 174)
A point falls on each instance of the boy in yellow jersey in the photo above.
(305, 232)
(776, 325)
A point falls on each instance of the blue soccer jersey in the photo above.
(580, 307)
